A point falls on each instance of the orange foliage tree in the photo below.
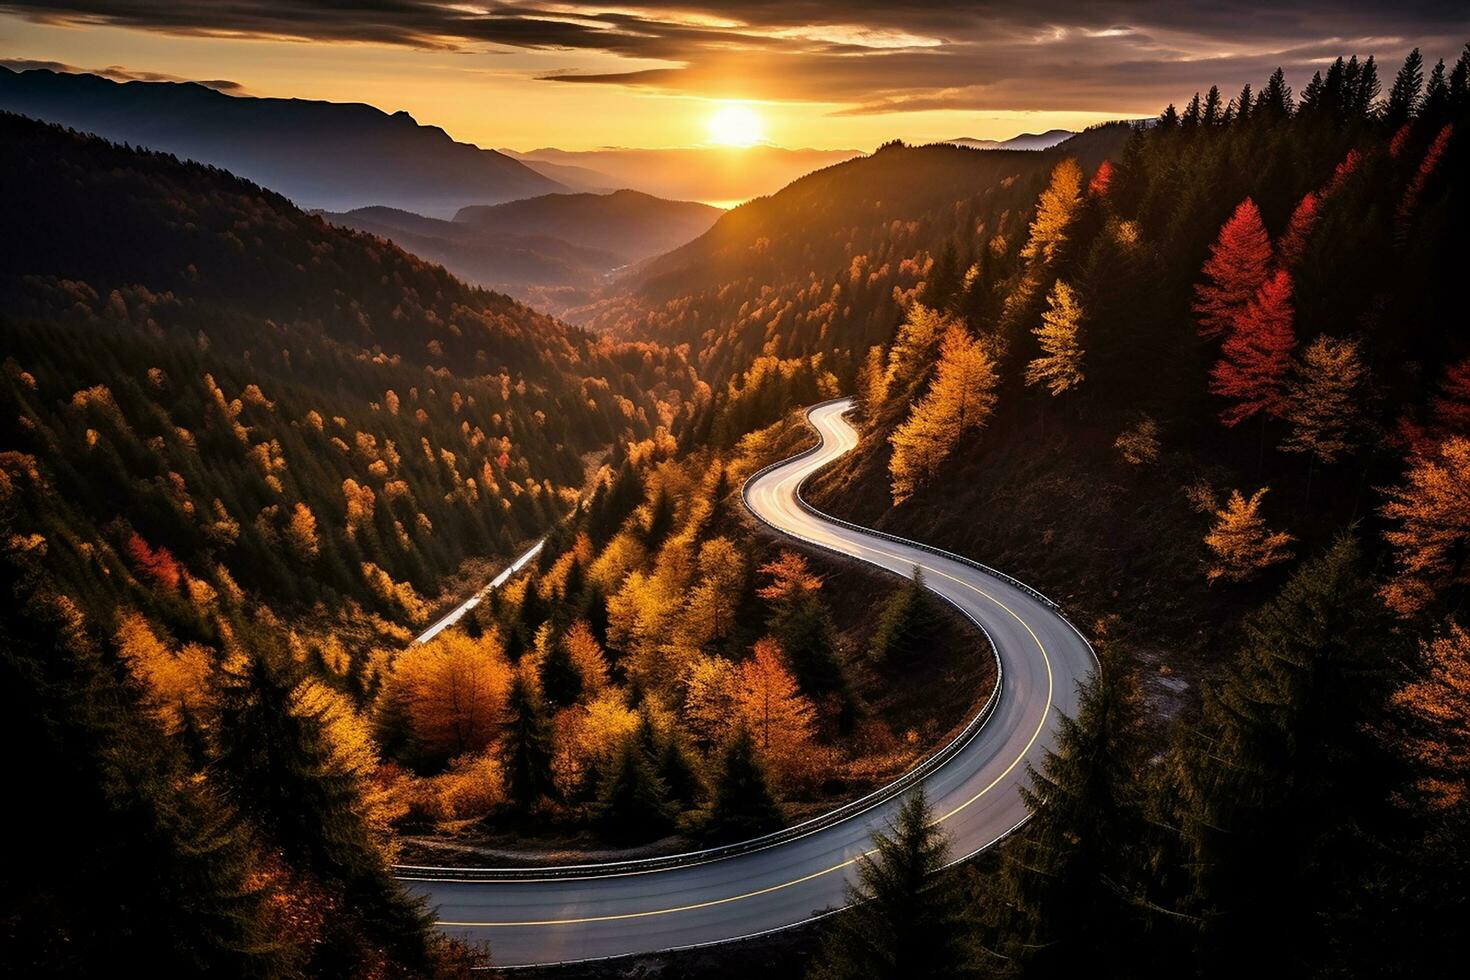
(769, 703)
(1242, 543)
(454, 690)
(1436, 740)
(1432, 540)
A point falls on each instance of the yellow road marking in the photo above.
(836, 867)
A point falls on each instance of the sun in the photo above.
(735, 125)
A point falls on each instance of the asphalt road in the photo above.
(974, 794)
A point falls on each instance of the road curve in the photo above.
(974, 794)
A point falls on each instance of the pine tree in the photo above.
(561, 681)
(908, 626)
(1061, 368)
(801, 622)
(1275, 102)
(1238, 265)
(1256, 355)
(1244, 104)
(744, 805)
(1460, 82)
(903, 921)
(1403, 97)
(1214, 108)
(1293, 244)
(1242, 543)
(275, 753)
(527, 749)
(633, 803)
(130, 862)
(1060, 907)
(1280, 766)
(1436, 95)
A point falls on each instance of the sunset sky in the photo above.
(796, 73)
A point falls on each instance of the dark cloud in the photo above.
(119, 74)
(865, 55)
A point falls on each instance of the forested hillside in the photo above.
(827, 265)
(221, 416)
(1218, 404)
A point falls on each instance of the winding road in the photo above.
(590, 912)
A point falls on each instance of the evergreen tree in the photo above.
(1280, 767)
(127, 861)
(1275, 103)
(903, 922)
(1060, 906)
(561, 682)
(660, 519)
(275, 754)
(527, 749)
(1436, 95)
(744, 805)
(633, 803)
(908, 626)
(1403, 97)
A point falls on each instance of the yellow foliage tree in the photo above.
(1242, 543)
(178, 683)
(301, 533)
(709, 698)
(960, 401)
(1139, 445)
(710, 613)
(1432, 542)
(1437, 742)
(587, 655)
(1055, 211)
(1058, 335)
(1323, 406)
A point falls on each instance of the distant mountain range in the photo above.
(336, 156)
(1025, 141)
(714, 174)
(549, 250)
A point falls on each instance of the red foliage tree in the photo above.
(156, 565)
(1238, 264)
(1451, 408)
(1293, 243)
(1102, 180)
(1256, 356)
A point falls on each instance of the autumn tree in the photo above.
(959, 402)
(1139, 444)
(1431, 539)
(1238, 265)
(454, 691)
(709, 615)
(903, 921)
(1061, 367)
(709, 698)
(155, 565)
(1242, 543)
(1435, 705)
(1055, 211)
(301, 534)
(1325, 399)
(1293, 243)
(1450, 409)
(911, 355)
(769, 703)
(1256, 355)
(744, 805)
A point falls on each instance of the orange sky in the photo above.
(817, 74)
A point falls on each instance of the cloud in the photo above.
(862, 56)
(119, 74)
